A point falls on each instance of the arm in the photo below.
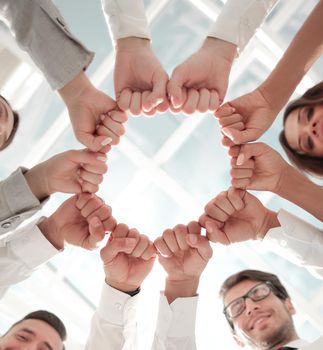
(258, 109)
(237, 216)
(200, 83)
(256, 166)
(184, 254)
(139, 78)
(128, 258)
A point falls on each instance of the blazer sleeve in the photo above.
(298, 241)
(21, 253)
(41, 31)
(17, 202)
(239, 20)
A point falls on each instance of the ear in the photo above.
(289, 306)
(238, 341)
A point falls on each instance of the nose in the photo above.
(251, 306)
(313, 128)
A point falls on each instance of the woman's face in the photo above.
(6, 121)
(304, 130)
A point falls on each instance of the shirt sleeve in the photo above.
(126, 18)
(239, 20)
(21, 253)
(114, 323)
(17, 202)
(298, 241)
(41, 31)
(176, 324)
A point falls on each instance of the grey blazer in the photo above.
(41, 31)
(17, 202)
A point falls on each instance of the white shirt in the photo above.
(298, 241)
(237, 22)
(21, 253)
(304, 345)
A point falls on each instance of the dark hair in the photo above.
(47, 317)
(253, 275)
(308, 164)
(14, 128)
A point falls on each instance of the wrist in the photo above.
(271, 221)
(220, 47)
(123, 287)
(132, 44)
(287, 174)
(37, 182)
(75, 88)
(181, 288)
(51, 233)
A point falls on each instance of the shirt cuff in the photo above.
(126, 18)
(239, 20)
(178, 318)
(117, 307)
(30, 245)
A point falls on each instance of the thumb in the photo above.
(93, 142)
(200, 243)
(248, 151)
(215, 234)
(158, 94)
(174, 87)
(97, 233)
(116, 246)
(240, 136)
(88, 157)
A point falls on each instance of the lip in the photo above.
(258, 320)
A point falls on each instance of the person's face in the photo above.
(304, 130)
(31, 335)
(6, 121)
(264, 324)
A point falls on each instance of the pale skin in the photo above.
(236, 216)
(249, 116)
(6, 121)
(82, 221)
(304, 130)
(184, 254)
(261, 320)
(67, 172)
(139, 78)
(32, 334)
(127, 258)
(200, 83)
(97, 122)
(257, 166)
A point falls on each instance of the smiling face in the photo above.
(6, 121)
(264, 324)
(31, 334)
(304, 130)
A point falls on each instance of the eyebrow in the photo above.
(29, 331)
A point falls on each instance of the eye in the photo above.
(259, 292)
(21, 338)
(310, 112)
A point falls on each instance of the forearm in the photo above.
(41, 31)
(36, 179)
(218, 47)
(298, 189)
(180, 289)
(304, 50)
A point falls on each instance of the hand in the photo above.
(200, 83)
(184, 254)
(86, 105)
(235, 216)
(256, 166)
(139, 78)
(246, 118)
(128, 258)
(67, 172)
(81, 221)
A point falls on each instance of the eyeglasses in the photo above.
(257, 293)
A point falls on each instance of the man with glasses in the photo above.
(259, 311)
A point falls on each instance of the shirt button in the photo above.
(6, 225)
(117, 306)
